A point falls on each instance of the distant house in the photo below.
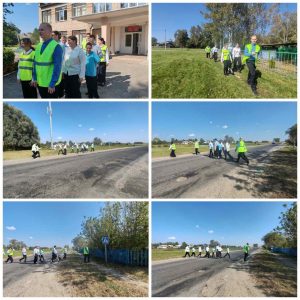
(162, 247)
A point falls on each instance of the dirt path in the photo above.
(40, 283)
(234, 281)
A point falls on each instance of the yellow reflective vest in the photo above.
(249, 48)
(44, 64)
(26, 66)
(241, 148)
(103, 52)
(173, 146)
(226, 54)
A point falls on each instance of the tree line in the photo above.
(125, 223)
(235, 23)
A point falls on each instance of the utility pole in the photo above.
(165, 40)
(51, 133)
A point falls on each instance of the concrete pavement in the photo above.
(110, 174)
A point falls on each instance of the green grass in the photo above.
(187, 73)
(22, 154)
(160, 254)
(163, 150)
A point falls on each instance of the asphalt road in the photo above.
(176, 177)
(15, 271)
(120, 173)
(179, 278)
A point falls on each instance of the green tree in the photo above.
(183, 245)
(292, 133)
(97, 141)
(10, 30)
(154, 41)
(288, 224)
(19, 132)
(196, 37)
(274, 239)
(181, 38)
(15, 244)
(35, 36)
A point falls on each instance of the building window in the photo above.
(46, 16)
(133, 4)
(101, 7)
(61, 13)
(80, 34)
(128, 40)
(78, 9)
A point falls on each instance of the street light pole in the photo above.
(51, 133)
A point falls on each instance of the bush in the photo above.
(9, 64)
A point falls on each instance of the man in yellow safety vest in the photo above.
(241, 149)
(104, 61)
(250, 57)
(86, 254)
(173, 149)
(226, 59)
(47, 64)
(197, 146)
(207, 51)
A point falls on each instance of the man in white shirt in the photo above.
(193, 252)
(207, 254)
(36, 253)
(227, 150)
(187, 251)
(227, 253)
(33, 150)
(214, 51)
(200, 251)
(237, 61)
(24, 253)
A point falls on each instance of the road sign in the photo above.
(105, 240)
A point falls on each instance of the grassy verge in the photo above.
(280, 173)
(272, 276)
(96, 279)
(22, 154)
(188, 74)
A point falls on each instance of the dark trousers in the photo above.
(197, 151)
(101, 73)
(207, 55)
(252, 74)
(193, 254)
(86, 258)
(200, 254)
(24, 257)
(187, 253)
(226, 153)
(65, 152)
(35, 258)
(60, 151)
(42, 258)
(227, 254)
(213, 254)
(227, 65)
(43, 91)
(215, 56)
(220, 153)
(65, 256)
(243, 156)
(10, 258)
(211, 153)
(72, 86)
(172, 154)
(54, 257)
(91, 83)
(246, 256)
(61, 88)
(207, 254)
(237, 64)
(29, 92)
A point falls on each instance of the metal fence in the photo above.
(287, 251)
(126, 257)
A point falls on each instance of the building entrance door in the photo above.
(135, 44)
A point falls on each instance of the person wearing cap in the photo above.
(25, 69)
(241, 149)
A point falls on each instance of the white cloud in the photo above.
(210, 122)
(59, 138)
(192, 134)
(171, 238)
(80, 125)
(210, 231)
(237, 133)
(11, 228)
(31, 238)
(104, 133)
(197, 226)
(225, 126)
(171, 135)
(91, 129)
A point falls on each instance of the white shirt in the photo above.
(54, 251)
(24, 251)
(187, 249)
(227, 146)
(36, 251)
(236, 52)
(33, 148)
(200, 249)
(207, 249)
(193, 250)
(211, 145)
(74, 62)
(227, 250)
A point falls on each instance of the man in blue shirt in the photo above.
(45, 31)
(92, 59)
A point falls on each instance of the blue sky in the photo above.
(25, 16)
(82, 121)
(46, 223)
(208, 120)
(233, 223)
(171, 16)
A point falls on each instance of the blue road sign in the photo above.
(105, 240)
